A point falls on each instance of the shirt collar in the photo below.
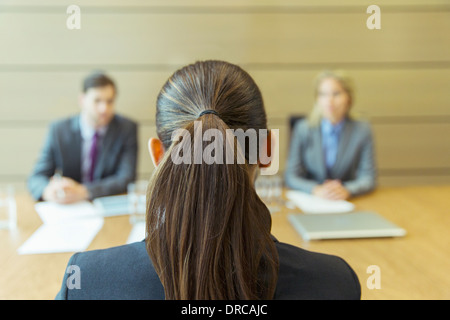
(87, 132)
(329, 128)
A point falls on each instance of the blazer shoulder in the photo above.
(362, 126)
(64, 291)
(361, 130)
(124, 126)
(302, 125)
(125, 121)
(64, 123)
(302, 129)
(305, 274)
(122, 272)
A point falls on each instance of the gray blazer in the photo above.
(127, 272)
(355, 163)
(116, 166)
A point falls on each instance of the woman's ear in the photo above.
(269, 165)
(266, 149)
(156, 150)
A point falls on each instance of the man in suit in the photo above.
(90, 154)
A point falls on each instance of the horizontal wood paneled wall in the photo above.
(159, 39)
(230, 5)
(401, 72)
(403, 150)
(422, 94)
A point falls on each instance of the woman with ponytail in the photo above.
(208, 232)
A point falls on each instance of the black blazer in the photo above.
(126, 272)
(62, 150)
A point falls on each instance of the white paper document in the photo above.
(65, 228)
(65, 237)
(137, 233)
(109, 206)
(312, 204)
(51, 213)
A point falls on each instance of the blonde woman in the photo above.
(331, 154)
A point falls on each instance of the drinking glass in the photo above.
(136, 200)
(8, 208)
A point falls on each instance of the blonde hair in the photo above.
(345, 81)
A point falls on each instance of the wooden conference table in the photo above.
(416, 266)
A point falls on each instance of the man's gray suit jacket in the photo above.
(116, 165)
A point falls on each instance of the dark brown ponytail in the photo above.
(208, 231)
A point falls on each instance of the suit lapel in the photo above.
(107, 143)
(342, 155)
(318, 152)
(75, 148)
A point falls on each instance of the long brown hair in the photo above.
(208, 231)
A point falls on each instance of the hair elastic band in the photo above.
(208, 111)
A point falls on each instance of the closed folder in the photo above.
(345, 225)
